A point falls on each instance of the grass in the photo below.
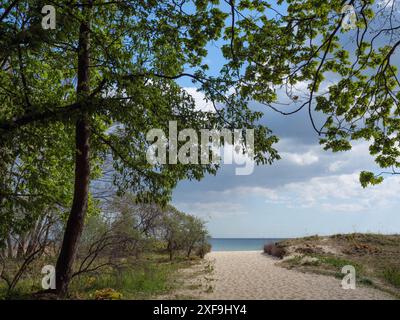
(22, 291)
(327, 261)
(30, 282)
(392, 276)
(132, 283)
(153, 276)
(148, 277)
(339, 263)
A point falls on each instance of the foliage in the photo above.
(107, 294)
(138, 50)
(203, 248)
(139, 53)
(183, 232)
(297, 56)
(129, 57)
(392, 276)
(127, 230)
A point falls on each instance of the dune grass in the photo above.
(392, 276)
(375, 257)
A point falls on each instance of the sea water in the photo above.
(240, 244)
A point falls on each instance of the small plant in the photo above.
(274, 250)
(392, 275)
(296, 260)
(90, 282)
(210, 289)
(209, 268)
(203, 249)
(107, 294)
(309, 261)
(339, 262)
(366, 281)
(312, 238)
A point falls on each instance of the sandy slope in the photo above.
(254, 275)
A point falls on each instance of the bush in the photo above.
(392, 275)
(183, 233)
(107, 294)
(203, 249)
(273, 250)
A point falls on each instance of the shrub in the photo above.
(107, 294)
(392, 275)
(203, 249)
(274, 250)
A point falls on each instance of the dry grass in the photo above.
(375, 257)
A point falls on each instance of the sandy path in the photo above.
(253, 275)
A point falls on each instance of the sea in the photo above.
(240, 244)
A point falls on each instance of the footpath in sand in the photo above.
(254, 275)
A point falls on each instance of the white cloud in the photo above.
(202, 104)
(358, 158)
(336, 166)
(334, 193)
(248, 191)
(208, 210)
(301, 159)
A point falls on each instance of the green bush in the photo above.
(107, 294)
(340, 263)
(203, 249)
(392, 275)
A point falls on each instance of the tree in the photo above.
(34, 184)
(30, 246)
(110, 72)
(182, 232)
(107, 64)
(173, 231)
(195, 233)
(350, 74)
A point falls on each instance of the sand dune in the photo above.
(254, 275)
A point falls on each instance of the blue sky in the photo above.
(309, 191)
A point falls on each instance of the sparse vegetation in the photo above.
(127, 251)
(392, 276)
(374, 256)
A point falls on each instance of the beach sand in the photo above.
(254, 275)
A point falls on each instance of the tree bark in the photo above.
(10, 247)
(189, 251)
(34, 236)
(77, 215)
(21, 245)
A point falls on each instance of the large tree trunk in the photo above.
(76, 218)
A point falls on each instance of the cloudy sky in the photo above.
(309, 191)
